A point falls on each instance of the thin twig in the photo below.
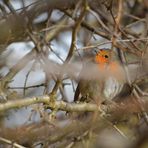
(13, 144)
(108, 42)
(74, 33)
(28, 87)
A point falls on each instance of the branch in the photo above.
(13, 28)
(74, 107)
(13, 144)
(89, 27)
(17, 67)
(59, 105)
(74, 33)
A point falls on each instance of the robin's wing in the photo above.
(87, 78)
(81, 82)
(123, 94)
(77, 93)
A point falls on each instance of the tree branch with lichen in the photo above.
(71, 107)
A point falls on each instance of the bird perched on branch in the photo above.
(101, 79)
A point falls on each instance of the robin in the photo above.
(100, 80)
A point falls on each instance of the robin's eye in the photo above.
(106, 56)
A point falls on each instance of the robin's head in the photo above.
(102, 56)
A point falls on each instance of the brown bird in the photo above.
(100, 80)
